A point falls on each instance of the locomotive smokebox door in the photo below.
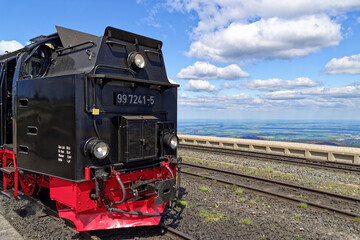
(137, 138)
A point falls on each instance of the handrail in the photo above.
(59, 51)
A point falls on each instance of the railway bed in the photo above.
(344, 205)
(328, 165)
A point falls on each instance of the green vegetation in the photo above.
(205, 189)
(214, 181)
(242, 200)
(268, 170)
(182, 203)
(252, 202)
(211, 216)
(357, 219)
(277, 175)
(239, 191)
(257, 198)
(245, 221)
(298, 216)
(303, 205)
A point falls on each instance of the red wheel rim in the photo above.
(28, 183)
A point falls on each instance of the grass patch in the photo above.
(211, 216)
(252, 202)
(245, 221)
(214, 181)
(257, 198)
(182, 203)
(277, 175)
(303, 205)
(239, 191)
(357, 219)
(268, 170)
(242, 200)
(298, 216)
(204, 189)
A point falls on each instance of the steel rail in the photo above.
(278, 158)
(279, 195)
(175, 233)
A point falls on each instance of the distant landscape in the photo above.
(329, 132)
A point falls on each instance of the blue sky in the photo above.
(239, 59)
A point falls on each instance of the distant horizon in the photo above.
(325, 132)
(267, 119)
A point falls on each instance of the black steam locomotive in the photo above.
(93, 119)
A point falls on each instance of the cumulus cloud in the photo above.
(9, 46)
(347, 65)
(241, 29)
(312, 98)
(274, 84)
(172, 81)
(207, 71)
(267, 38)
(220, 102)
(324, 93)
(200, 86)
(214, 14)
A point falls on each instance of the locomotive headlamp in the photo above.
(97, 148)
(136, 60)
(171, 140)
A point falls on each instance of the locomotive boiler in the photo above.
(93, 119)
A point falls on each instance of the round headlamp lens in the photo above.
(136, 60)
(171, 141)
(101, 150)
(174, 142)
(139, 60)
(96, 148)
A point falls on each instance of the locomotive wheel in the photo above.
(61, 207)
(28, 183)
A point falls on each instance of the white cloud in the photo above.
(283, 95)
(172, 81)
(241, 29)
(300, 82)
(267, 38)
(319, 93)
(274, 84)
(220, 102)
(306, 99)
(9, 46)
(205, 70)
(215, 14)
(347, 65)
(199, 86)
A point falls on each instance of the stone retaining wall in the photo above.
(310, 151)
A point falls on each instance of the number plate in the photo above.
(134, 99)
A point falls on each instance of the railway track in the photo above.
(337, 166)
(341, 204)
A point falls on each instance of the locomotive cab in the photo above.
(94, 120)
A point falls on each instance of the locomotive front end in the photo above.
(105, 116)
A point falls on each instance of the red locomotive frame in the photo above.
(73, 199)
